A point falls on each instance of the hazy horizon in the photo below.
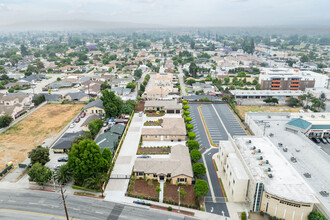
(171, 13)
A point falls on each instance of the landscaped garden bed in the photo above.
(171, 196)
(143, 189)
(154, 123)
(155, 114)
(154, 150)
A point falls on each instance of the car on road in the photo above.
(62, 159)
(72, 125)
(77, 120)
(144, 156)
(328, 139)
(83, 114)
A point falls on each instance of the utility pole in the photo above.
(265, 123)
(66, 211)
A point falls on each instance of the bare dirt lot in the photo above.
(44, 123)
(242, 109)
(171, 193)
(143, 188)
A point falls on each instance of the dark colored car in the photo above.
(328, 139)
(77, 120)
(62, 159)
(144, 156)
(316, 140)
(83, 115)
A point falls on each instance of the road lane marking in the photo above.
(35, 213)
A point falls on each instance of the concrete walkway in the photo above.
(161, 193)
(116, 188)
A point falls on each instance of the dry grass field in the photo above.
(242, 109)
(44, 123)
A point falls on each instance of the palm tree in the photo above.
(96, 182)
(63, 174)
(306, 97)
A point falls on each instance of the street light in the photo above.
(179, 198)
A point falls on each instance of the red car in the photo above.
(77, 120)
(82, 115)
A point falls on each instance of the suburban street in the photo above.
(28, 204)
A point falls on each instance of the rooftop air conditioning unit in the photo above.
(307, 175)
(267, 169)
(271, 134)
(252, 148)
(259, 157)
(294, 160)
(324, 193)
(270, 175)
(263, 162)
(249, 141)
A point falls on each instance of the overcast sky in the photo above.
(171, 12)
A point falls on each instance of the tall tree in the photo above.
(193, 69)
(40, 174)
(112, 103)
(201, 188)
(24, 50)
(85, 160)
(63, 174)
(39, 155)
(5, 120)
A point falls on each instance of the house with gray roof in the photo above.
(95, 107)
(77, 97)
(60, 84)
(118, 129)
(64, 143)
(177, 167)
(107, 140)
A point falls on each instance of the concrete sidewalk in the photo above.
(116, 188)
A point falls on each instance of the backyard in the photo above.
(44, 123)
(242, 109)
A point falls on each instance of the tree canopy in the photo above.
(40, 174)
(112, 103)
(199, 169)
(201, 188)
(86, 160)
(5, 120)
(195, 155)
(39, 155)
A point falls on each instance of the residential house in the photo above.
(32, 78)
(52, 97)
(60, 84)
(169, 107)
(108, 140)
(64, 143)
(95, 107)
(77, 97)
(20, 84)
(177, 168)
(84, 125)
(172, 129)
(118, 129)
(120, 82)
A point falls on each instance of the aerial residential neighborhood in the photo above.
(168, 117)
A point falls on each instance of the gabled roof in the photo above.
(179, 163)
(107, 140)
(96, 103)
(76, 95)
(299, 123)
(66, 140)
(118, 129)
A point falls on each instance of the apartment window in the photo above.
(147, 136)
(166, 137)
(140, 173)
(233, 182)
(168, 175)
(155, 175)
(182, 180)
(156, 136)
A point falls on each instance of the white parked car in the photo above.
(72, 125)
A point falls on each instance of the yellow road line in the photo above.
(35, 213)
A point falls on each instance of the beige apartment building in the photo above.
(255, 172)
(169, 107)
(172, 129)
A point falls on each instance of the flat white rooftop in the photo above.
(237, 167)
(285, 183)
(310, 157)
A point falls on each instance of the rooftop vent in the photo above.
(252, 148)
(288, 116)
(269, 116)
(324, 193)
(256, 151)
(294, 160)
(307, 175)
(263, 162)
(301, 116)
(267, 169)
(280, 144)
(249, 142)
(323, 116)
(313, 116)
(271, 134)
(270, 175)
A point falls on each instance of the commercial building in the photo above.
(169, 107)
(265, 178)
(177, 167)
(172, 129)
(291, 79)
(248, 96)
(309, 159)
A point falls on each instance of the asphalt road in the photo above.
(201, 136)
(28, 204)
